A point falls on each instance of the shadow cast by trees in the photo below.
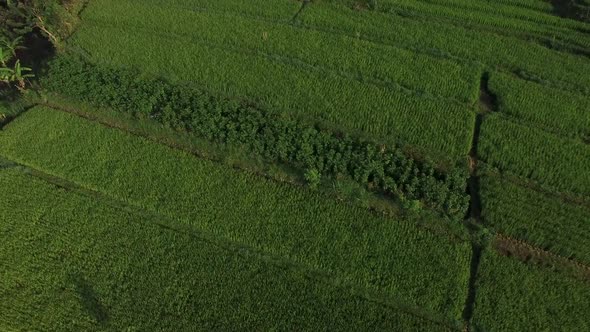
(89, 299)
(574, 9)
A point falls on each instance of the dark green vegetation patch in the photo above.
(268, 133)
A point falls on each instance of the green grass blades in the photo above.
(351, 244)
(535, 154)
(544, 220)
(459, 42)
(554, 110)
(484, 16)
(403, 70)
(276, 9)
(514, 296)
(73, 263)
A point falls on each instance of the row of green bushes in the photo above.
(268, 133)
(340, 95)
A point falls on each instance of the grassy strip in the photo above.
(502, 13)
(515, 296)
(534, 61)
(276, 9)
(535, 154)
(554, 36)
(267, 133)
(501, 6)
(545, 221)
(420, 74)
(473, 13)
(532, 5)
(354, 246)
(350, 103)
(69, 262)
(547, 108)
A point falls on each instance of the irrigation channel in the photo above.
(487, 104)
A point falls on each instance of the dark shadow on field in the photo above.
(574, 9)
(37, 49)
(4, 120)
(488, 103)
(89, 299)
(6, 164)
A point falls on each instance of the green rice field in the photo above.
(295, 165)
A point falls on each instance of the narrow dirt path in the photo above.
(531, 254)
(473, 217)
(503, 244)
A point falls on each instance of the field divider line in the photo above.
(78, 14)
(296, 62)
(242, 250)
(524, 251)
(437, 53)
(569, 47)
(487, 104)
(85, 4)
(559, 133)
(547, 190)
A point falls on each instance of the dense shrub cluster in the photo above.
(270, 134)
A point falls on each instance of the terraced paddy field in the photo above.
(405, 165)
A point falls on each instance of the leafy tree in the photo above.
(11, 70)
(17, 74)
